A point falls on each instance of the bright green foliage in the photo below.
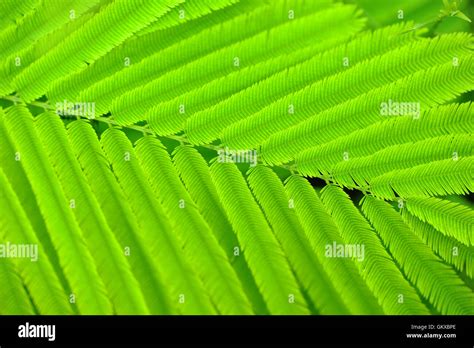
(428, 87)
(157, 231)
(236, 157)
(196, 176)
(361, 170)
(437, 178)
(388, 79)
(20, 302)
(270, 193)
(187, 11)
(15, 173)
(454, 220)
(132, 105)
(74, 257)
(447, 293)
(47, 17)
(196, 237)
(119, 214)
(322, 232)
(16, 63)
(261, 250)
(14, 296)
(38, 274)
(114, 24)
(438, 121)
(356, 230)
(12, 10)
(448, 248)
(216, 37)
(165, 117)
(136, 48)
(112, 265)
(210, 123)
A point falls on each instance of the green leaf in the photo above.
(200, 246)
(437, 178)
(114, 24)
(12, 10)
(323, 233)
(264, 256)
(208, 124)
(361, 170)
(156, 230)
(378, 268)
(435, 280)
(14, 297)
(426, 81)
(461, 15)
(136, 48)
(449, 249)
(118, 212)
(270, 193)
(11, 166)
(196, 176)
(144, 219)
(74, 258)
(451, 219)
(388, 132)
(290, 35)
(122, 287)
(42, 20)
(35, 269)
(165, 117)
(215, 37)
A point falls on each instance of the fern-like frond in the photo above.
(438, 178)
(322, 234)
(156, 230)
(48, 16)
(11, 166)
(37, 273)
(451, 219)
(208, 124)
(435, 280)
(448, 248)
(18, 61)
(12, 10)
(427, 88)
(199, 244)
(214, 38)
(378, 269)
(270, 193)
(394, 68)
(115, 23)
(388, 132)
(284, 38)
(262, 251)
(21, 60)
(74, 258)
(15, 299)
(188, 10)
(195, 23)
(119, 214)
(131, 211)
(361, 170)
(121, 285)
(165, 117)
(145, 43)
(195, 174)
